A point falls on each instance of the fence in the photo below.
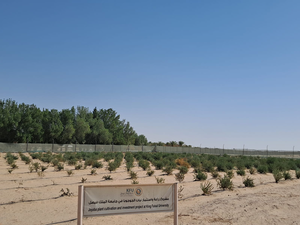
(56, 148)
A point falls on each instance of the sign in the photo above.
(97, 200)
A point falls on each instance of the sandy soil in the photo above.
(25, 199)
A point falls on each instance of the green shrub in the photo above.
(107, 177)
(229, 166)
(207, 166)
(97, 164)
(160, 180)
(183, 170)
(262, 169)
(78, 167)
(70, 172)
(277, 175)
(168, 170)
(297, 173)
(10, 170)
(215, 174)
(14, 166)
(93, 172)
(129, 165)
(150, 173)
(206, 187)
(195, 163)
(60, 166)
(230, 174)
(36, 166)
(158, 165)
(179, 177)
(248, 182)
(221, 167)
(225, 183)
(134, 182)
(287, 175)
(83, 180)
(112, 166)
(241, 172)
(54, 162)
(200, 176)
(144, 164)
(89, 162)
(133, 175)
(72, 162)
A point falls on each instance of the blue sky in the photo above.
(204, 72)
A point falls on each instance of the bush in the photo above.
(72, 162)
(133, 175)
(93, 172)
(200, 176)
(129, 165)
(183, 170)
(195, 163)
(241, 172)
(221, 167)
(134, 182)
(287, 175)
(160, 180)
(252, 170)
(207, 166)
(230, 174)
(179, 177)
(78, 167)
(168, 170)
(206, 187)
(70, 172)
(54, 162)
(112, 166)
(144, 164)
(225, 183)
(248, 182)
(277, 175)
(60, 166)
(182, 162)
(107, 177)
(297, 173)
(43, 168)
(262, 169)
(158, 165)
(14, 166)
(36, 166)
(97, 164)
(83, 180)
(215, 174)
(150, 173)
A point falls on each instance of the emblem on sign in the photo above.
(138, 191)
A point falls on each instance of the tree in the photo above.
(9, 120)
(67, 133)
(181, 143)
(141, 140)
(82, 128)
(128, 134)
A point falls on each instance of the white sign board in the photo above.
(96, 200)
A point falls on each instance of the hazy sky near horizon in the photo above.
(205, 72)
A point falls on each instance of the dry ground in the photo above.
(27, 199)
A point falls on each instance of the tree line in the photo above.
(20, 123)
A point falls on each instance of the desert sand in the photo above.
(28, 199)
